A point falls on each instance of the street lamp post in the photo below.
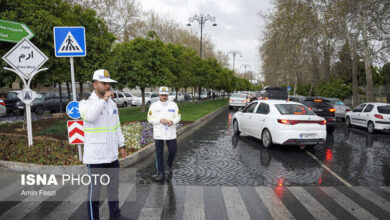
(235, 53)
(201, 19)
(245, 66)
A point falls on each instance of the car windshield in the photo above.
(172, 93)
(293, 109)
(39, 96)
(147, 94)
(315, 103)
(337, 102)
(384, 109)
(12, 95)
(238, 96)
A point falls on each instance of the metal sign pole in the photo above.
(29, 126)
(74, 96)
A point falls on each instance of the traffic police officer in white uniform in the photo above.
(164, 115)
(103, 137)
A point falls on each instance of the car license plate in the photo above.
(20, 107)
(309, 135)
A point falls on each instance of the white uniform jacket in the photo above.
(102, 130)
(168, 110)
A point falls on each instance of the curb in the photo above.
(124, 162)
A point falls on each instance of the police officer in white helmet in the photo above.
(164, 115)
(103, 137)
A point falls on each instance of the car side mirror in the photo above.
(241, 109)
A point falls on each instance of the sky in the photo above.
(238, 25)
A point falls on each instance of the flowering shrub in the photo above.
(138, 134)
(147, 134)
(17, 119)
(132, 135)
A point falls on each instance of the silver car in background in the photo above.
(341, 108)
(238, 100)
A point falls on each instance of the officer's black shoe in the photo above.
(160, 177)
(170, 174)
(170, 169)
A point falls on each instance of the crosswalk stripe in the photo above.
(124, 190)
(9, 190)
(194, 203)
(234, 204)
(310, 203)
(154, 203)
(374, 198)
(386, 188)
(69, 205)
(275, 207)
(346, 203)
(27, 205)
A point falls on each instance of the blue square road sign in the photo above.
(69, 42)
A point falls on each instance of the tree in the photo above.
(385, 72)
(41, 16)
(121, 16)
(141, 62)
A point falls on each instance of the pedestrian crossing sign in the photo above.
(69, 42)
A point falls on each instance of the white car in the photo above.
(203, 95)
(172, 97)
(3, 109)
(280, 122)
(129, 97)
(150, 97)
(373, 116)
(120, 99)
(238, 100)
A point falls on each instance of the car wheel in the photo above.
(236, 128)
(266, 138)
(348, 122)
(124, 104)
(370, 127)
(39, 110)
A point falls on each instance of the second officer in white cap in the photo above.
(164, 115)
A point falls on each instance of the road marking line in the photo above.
(123, 191)
(27, 205)
(386, 188)
(154, 203)
(329, 170)
(374, 198)
(275, 207)
(69, 205)
(347, 203)
(193, 203)
(310, 203)
(234, 204)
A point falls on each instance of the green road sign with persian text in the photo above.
(11, 31)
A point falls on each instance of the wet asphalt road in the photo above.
(220, 176)
(212, 156)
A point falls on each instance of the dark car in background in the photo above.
(187, 96)
(10, 99)
(320, 106)
(273, 93)
(46, 101)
